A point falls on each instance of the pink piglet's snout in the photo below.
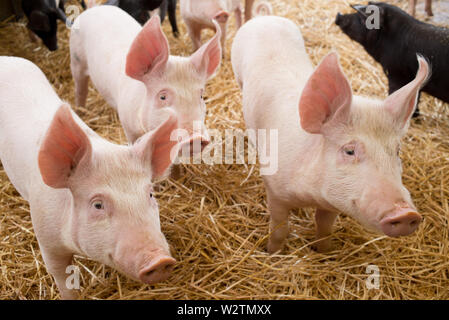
(222, 17)
(402, 221)
(194, 144)
(157, 270)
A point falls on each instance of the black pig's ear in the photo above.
(367, 10)
(60, 14)
(382, 14)
(39, 21)
(360, 9)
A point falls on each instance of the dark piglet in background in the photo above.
(170, 5)
(138, 9)
(42, 19)
(395, 45)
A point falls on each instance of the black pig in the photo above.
(138, 9)
(395, 45)
(42, 19)
(171, 6)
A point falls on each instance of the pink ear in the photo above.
(157, 148)
(62, 149)
(326, 98)
(149, 51)
(207, 58)
(402, 103)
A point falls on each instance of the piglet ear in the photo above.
(39, 21)
(326, 98)
(208, 57)
(149, 51)
(157, 148)
(401, 103)
(64, 146)
(60, 14)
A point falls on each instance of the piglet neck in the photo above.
(308, 171)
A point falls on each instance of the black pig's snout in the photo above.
(338, 18)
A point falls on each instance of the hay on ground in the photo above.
(215, 217)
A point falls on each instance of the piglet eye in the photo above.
(151, 195)
(163, 97)
(350, 152)
(98, 205)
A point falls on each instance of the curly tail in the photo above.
(263, 8)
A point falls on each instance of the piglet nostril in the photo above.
(222, 17)
(158, 270)
(402, 222)
(169, 268)
(415, 221)
(148, 274)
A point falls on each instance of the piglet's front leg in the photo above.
(223, 27)
(248, 9)
(412, 7)
(324, 221)
(279, 213)
(428, 8)
(194, 31)
(57, 263)
(238, 16)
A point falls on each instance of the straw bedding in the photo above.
(215, 217)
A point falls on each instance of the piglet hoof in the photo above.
(67, 294)
(322, 246)
(274, 247)
(416, 114)
(176, 34)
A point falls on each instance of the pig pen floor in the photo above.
(440, 10)
(215, 217)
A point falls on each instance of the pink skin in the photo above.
(87, 196)
(412, 7)
(131, 67)
(221, 17)
(339, 151)
(400, 222)
(199, 15)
